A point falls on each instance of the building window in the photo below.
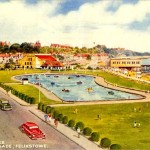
(29, 59)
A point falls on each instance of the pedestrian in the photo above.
(56, 122)
(50, 117)
(98, 116)
(78, 131)
(139, 125)
(45, 117)
(75, 111)
(139, 109)
(135, 124)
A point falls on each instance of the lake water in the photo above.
(77, 87)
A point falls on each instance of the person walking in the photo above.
(98, 117)
(78, 131)
(56, 122)
(135, 124)
(45, 117)
(50, 117)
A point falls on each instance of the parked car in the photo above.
(32, 130)
(5, 105)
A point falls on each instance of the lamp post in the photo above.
(92, 54)
(39, 90)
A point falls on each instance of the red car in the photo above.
(32, 130)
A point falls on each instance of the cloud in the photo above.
(92, 22)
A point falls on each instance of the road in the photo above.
(12, 138)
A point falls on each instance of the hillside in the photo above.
(119, 52)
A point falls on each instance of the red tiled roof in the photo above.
(45, 57)
(59, 45)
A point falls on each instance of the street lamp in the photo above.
(92, 55)
(39, 90)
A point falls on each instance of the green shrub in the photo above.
(26, 97)
(39, 105)
(115, 147)
(65, 120)
(55, 114)
(105, 143)
(60, 117)
(95, 136)
(44, 108)
(22, 97)
(87, 131)
(79, 125)
(71, 123)
(52, 110)
(32, 100)
(48, 108)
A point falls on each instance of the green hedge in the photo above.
(95, 136)
(105, 143)
(71, 123)
(79, 125)
(22, 96)
(65, 120)
(115, 147)
(87, 131)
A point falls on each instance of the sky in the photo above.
(114, 23)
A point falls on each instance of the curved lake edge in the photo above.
(104, 84)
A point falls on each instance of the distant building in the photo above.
(49, 62)
(4, 58)
(145, 65)
(5, 43)
(60, 46)
(36, 44)
(134, 64)
(45, 61)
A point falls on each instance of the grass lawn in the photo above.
(116, 122)
(5, 76)
(32, 92)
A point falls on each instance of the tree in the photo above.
(15, 48)
(45, 49)
(10, 64)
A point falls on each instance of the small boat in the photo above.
(79, 82)
(70, 77)
(56, 76)
(111, 92)
(52, 83)
(90, 89)
(77, 75)
(65, 90)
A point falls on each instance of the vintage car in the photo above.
(5, 105)
(32, 130)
